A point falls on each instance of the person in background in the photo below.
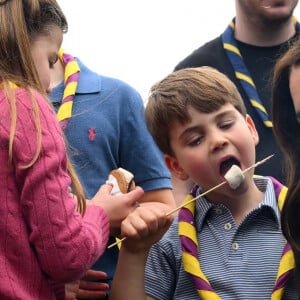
(246, 52)
(228, 243)
(104, 125)
(286, 126)
(44, 240)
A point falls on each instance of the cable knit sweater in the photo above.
(43, 239)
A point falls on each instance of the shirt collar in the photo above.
(89, 82)
(264, 184)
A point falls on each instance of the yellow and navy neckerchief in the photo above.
(71, 78)
(190, 249)
(242, 73)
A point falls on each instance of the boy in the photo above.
(228, 244)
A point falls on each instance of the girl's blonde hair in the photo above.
(21, 22)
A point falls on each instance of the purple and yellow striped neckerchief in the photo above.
(71, 77)
(242, 73)
(189, 244)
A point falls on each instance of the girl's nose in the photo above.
(48, 90)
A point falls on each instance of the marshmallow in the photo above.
(121, 180)
(234, 176)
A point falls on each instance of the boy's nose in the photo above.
(218, 141)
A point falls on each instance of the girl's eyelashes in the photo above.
(52, 62)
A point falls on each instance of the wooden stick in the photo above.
(117, 242)
(217, 186)
(201, 195)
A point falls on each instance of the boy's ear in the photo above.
(175, 168)
(252, 129)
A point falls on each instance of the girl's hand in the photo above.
(118, 207)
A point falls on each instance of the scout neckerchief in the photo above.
(242, 73)
(70, 83)
(189, 244)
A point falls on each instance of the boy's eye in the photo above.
(196, 141)
(226, 124)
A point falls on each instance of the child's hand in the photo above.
(118, 206)
(144, 226)
(71, 290)
(85, 289)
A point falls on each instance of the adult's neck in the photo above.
(259, 34)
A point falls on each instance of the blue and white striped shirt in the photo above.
(240, 262)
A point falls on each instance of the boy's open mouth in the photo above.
(227, 164)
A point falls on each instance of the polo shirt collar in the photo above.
(264, 184)
(89, 83)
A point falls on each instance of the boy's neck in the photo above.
(249, 202)
(242, 201)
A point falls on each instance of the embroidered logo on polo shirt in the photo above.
(92, 134)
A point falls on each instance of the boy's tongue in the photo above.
(226, 165)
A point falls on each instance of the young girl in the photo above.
(44, 242)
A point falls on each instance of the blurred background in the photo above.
(141, 41)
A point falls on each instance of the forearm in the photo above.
(164, 197)
(143, 227)
(128, 280)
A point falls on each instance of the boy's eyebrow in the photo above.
(189, 130)
(197, 127)
(224, 113)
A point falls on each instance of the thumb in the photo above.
(135, 195)
(103, 191)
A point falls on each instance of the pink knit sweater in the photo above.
(42, 238)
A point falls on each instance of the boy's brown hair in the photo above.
(204, 88)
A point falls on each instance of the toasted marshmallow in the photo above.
(121, 180)
(234, 176)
